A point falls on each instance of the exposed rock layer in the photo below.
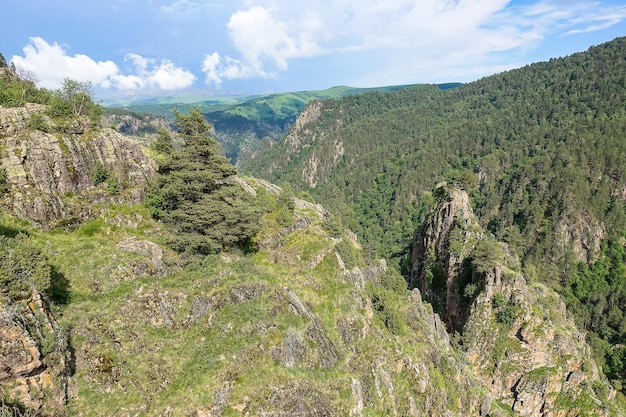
(517, 336)
(34, 356)
(48, 173)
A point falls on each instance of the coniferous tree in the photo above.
(192, 193)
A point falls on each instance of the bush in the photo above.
(393, 281)
(385, 310)
(349, 254)
(333, 226)
(22, 267)
(4, 186)
(113, 185)
(469, 290)
(507, 314)
(506, 310)
(498, 300)
(284, 217)
(38, 122)
(286, 198)
(99, 174)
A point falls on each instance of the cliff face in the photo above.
(518, 339)
(134, 124)
(48, 173)
(318, 151)
(34, 356)
(436, 265)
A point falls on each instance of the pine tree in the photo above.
(192, 193)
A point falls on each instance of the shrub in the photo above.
(38, 122)
(333, 226)
(22, 267)
(385, 310)
(113, 185)
(284, 217)
(99, 174)
(348, 253)
(4, 186)
(393, 281)
(469, 290)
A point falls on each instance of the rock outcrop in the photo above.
(51, 175)
(34, 357)
(518, 339)
(134, 124)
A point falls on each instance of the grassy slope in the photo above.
(208, 334)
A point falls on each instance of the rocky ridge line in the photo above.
(517, 336)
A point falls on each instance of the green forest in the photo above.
(243, 122)
(542, 150)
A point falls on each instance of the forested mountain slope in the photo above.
(542, 150)
(244, 123)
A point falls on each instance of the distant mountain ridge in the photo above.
(242, 123)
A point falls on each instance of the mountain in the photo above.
(115, 298)
(100, 317)
(306, 324)
(540, 149)
(243, 123)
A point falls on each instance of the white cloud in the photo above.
(168, 76)
(164, 76)
(407, 35)
(52, 64)
(180, 7)
(266, 44)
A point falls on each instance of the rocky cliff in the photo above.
(318, 151)
(134, 124)
(51, 169)
(35, 359)
(289, 330)
(516, 334)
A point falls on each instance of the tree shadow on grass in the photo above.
(59, 291)
(10, 232)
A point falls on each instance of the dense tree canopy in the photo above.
(194, 196)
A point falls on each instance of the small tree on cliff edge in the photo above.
(75, 98)
(193, 196)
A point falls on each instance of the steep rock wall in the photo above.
(48, 172)
(518, 339)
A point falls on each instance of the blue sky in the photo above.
(168, 47)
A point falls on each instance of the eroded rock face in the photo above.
(34, 357)
(49, 172)
(517, 336)
(436, 266)
(133, 125)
